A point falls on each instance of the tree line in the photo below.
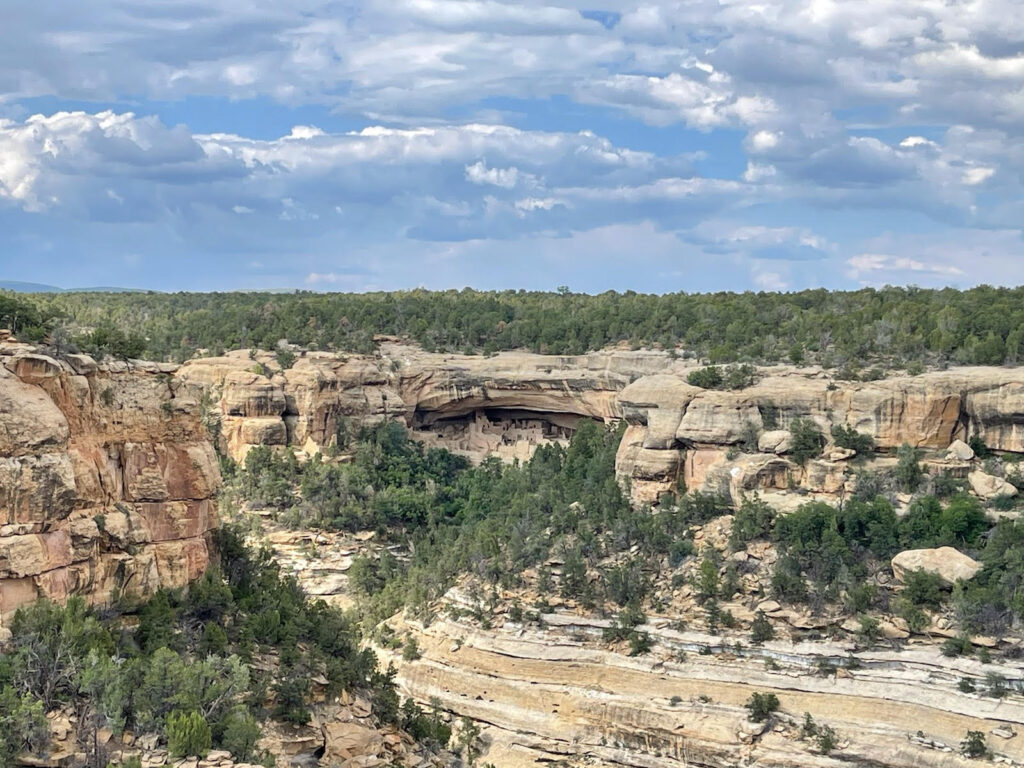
(890, 326)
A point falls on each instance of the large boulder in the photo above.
(777, 441)
(947, 563)
(989, 486)
(959, 451)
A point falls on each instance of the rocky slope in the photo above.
(107, 479)
(555, 694)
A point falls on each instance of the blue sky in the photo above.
(654, 146)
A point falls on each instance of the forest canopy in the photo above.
(895, 326)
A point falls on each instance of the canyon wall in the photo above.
(677, 434)
(506, 404)
(107, 479)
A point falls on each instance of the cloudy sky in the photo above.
(655, 146)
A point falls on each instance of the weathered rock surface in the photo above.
(554, 695)
(505, 405)
(946, 562)
(107, 479)
(989, 486)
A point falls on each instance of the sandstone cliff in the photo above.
(505, 405)
(107, 479)
(677, 431)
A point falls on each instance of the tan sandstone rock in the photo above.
(946, 562)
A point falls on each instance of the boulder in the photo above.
(989, 486)
(777, 441)
(947, 563)
(959, 451)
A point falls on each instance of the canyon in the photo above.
(108, 478)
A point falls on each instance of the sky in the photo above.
(391, 144)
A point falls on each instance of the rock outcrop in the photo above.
(504, 405)
(555, 695)
(107, 479)
(945, 562)
(678, 432)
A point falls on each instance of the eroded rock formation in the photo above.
(107, 479)
(505, 405)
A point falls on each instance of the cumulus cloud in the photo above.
(889, 107)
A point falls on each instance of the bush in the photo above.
(188, 734)
(761, 629)
(706, 378)
(241, 732)
(908, 472)
(924, 588)
(752, 520)
(762, 706)
(973, 745)
(807, 440)
(848, 437)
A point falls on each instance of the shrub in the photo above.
(761, 630)
(241, 732)
(848, 437)
(828, 739)
(285, 358)
(753, 520)
(908, 472)
(188, 734)
(706, 378)
(973, 745)
(762, 706)
(807, 440)
(924, 588)
(411, 651)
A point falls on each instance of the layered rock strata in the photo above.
(504, 405)
(550, 695)
(107, 479)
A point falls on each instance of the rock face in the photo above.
(107, 479)
(557, 696)
(677, 431)
(947, 563)
(677, 434)
(504, 405)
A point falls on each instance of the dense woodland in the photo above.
(892, 326)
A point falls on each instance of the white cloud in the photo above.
(880, 262)
(479, 173)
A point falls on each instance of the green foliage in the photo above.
(241, 732)
(807, 440)
(908, 472)
(928, 524)
(848, 437)
(762, 706)
(761, 629)
(971, 327)
(23, 725)
(28, 320)
(107, 340)
(285, 358)
(188, 734)
(752, 520)
(973, 745)
(924, 588)
(723, 377)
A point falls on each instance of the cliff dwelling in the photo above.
(504, 432)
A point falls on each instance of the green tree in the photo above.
(188, 734)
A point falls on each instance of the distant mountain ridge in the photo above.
(21, 287)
